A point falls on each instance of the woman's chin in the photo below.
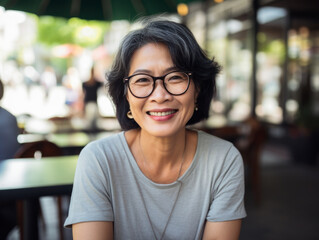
(161, 131)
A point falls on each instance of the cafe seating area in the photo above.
(266, 104)
(288, 197)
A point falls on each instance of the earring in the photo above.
(129, 114)
(196, 108)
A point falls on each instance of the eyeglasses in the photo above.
(142, 85)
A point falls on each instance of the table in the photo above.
(71, 143)
(68, 124)
(28, 179)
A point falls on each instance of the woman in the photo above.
(158, 179)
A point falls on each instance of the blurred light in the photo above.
(269, 110)
(217, 120)
(304, 32)
(218, 107)
(31, 73)
(66, 50)
(261, 37)
(292, 105)
(218, 1)
(268, 14)
(87, 32)
(41, 126)
(182, 9)
(293, 85)
(240, 111)
(234, 26)
(15, 17)
(105, 105)
(28, 56)
(2, 10)
(218, 31)
(315, 82)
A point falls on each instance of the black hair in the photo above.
(186, 54)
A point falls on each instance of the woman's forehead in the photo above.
(151, 57)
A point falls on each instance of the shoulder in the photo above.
(106, 158)
(6, 116)
(105, 144)
(217, 151)
(6, 113)
(211, 142)
(101, 149)
(102, 158)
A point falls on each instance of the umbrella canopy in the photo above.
(106, 10)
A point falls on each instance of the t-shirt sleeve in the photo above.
(90, 200)
(228, 190)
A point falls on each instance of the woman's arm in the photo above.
(228, 230)
(93, 231)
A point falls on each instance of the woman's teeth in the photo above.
(161, 113)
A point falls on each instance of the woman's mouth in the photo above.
(161, 114)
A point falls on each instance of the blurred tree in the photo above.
(55, 31)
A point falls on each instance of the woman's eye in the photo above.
(176, 78)
(142, 80)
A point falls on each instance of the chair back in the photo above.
(29, 150)
(46, 148)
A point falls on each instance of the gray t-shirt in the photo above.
(109, 186)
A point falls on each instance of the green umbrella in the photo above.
(95, 9)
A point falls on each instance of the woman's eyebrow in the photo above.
(141, 71)
(174, 68)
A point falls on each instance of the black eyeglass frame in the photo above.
(127, 79)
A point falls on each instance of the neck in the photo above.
(165, 150)
(161, 159)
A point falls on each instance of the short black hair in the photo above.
(186, 54)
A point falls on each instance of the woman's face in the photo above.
(161, 114)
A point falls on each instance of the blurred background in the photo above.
(267, 94)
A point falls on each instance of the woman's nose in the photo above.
(160, 93)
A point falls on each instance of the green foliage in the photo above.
(55, 31)
(277, 48)
(273, 47)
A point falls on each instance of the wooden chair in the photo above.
(43, 148)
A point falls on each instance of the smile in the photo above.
(160, 114)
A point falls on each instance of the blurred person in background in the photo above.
(8, 131)
(48, 79)
(72, 83)
(8, 146)
(90, 91)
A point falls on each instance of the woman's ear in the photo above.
(197, 93)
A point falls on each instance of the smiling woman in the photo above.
(158, 179)
(164, 107)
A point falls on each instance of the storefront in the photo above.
(270, 58)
